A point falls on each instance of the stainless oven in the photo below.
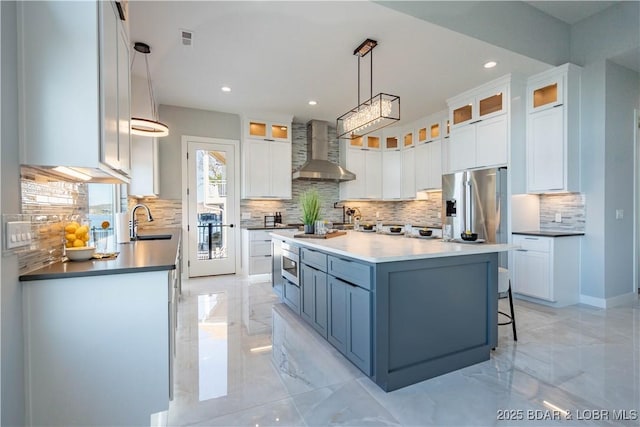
(290, 263)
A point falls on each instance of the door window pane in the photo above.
(211, 208)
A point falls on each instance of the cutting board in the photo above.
(320, 236)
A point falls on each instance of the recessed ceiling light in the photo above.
(490, 64)
(225, 89)
(313, 103)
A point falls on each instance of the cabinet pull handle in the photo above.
(477, 121)
(266, 256)
(269, 139)
(522, 250)
(531, 238)
(558, 105)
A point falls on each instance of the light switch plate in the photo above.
(18, 234)
(619, 213)
(246, 215)
(558, 217)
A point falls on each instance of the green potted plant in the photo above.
(310, 205)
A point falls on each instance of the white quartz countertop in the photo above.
(377, 248)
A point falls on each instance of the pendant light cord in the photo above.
(152, 100)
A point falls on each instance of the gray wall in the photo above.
(11, 347)
(622, 92)
(513, 25)
(609, 95)
(192, 122)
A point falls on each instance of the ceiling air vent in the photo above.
(187, 37)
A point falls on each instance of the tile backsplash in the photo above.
(166, 213)
(570, 206)
(423, 212)
(48, 203)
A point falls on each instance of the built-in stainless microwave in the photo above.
(290, 263)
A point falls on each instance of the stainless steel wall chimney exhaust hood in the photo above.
(318, 167)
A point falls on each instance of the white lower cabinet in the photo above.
(98, 349)
(547, 268)
(256, 251)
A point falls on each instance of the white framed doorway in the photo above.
(636, 245)
(211, 205)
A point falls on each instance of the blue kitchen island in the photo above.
(401, 309)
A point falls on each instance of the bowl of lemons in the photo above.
(80, 253)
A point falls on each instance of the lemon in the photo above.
(78, 243)
(86, 237)
(71, 237)
(69, 244)
(71, 228)
(105, 225)
(82, 230)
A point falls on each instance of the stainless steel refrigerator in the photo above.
(477, 201)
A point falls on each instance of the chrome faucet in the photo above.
(133, 222)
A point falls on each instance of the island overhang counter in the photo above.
(403, 310)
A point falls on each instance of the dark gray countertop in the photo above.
(550, 233)
(135, 257)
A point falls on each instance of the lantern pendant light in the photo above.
(374, 113)
(141, 126)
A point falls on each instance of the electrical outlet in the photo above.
(246, 215)
(558, 217)
(18, 234)
(619, 213)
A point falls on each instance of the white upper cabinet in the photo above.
(74, 88)
(392, 163)
(144, 167)
(266, 148)
(482, 126)
(553, 146)
(428, 152)
(270, 130)
(363, 157)
(392, 175)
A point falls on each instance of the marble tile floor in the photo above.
(244, 359)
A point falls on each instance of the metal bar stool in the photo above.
(504, 291)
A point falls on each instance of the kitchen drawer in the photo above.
(314, 259)
(350, 271)
(259, 248)
(260, 235)
(292, 296)
(260, 264)
(532, 243)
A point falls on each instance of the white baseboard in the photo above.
(619, 300)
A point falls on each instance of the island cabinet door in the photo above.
(306, 286)
(320, 302)
(359, 327)
(313, 304)
(337, 321)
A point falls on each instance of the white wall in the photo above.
(192, 122)
(11, 347)
(515, 26)
(609, 94)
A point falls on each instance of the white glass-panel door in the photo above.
(212, 223)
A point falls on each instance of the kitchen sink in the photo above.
(153, 237)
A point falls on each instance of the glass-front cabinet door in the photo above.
(463, 114)
(272, 131)
(545, 94)
(492, 103)
(373, 142)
